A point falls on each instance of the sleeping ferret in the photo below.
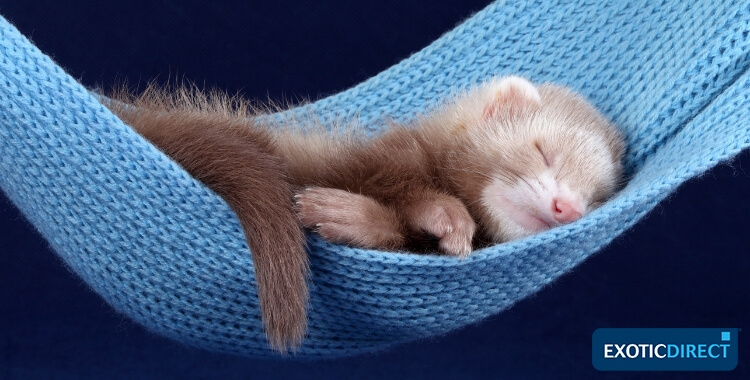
(499, 162)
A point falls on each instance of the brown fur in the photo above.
(215, 141)
(401, 171)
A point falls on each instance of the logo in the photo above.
(666, 349)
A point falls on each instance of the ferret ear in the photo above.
(512, 93)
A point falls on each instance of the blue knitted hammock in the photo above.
(166, 251)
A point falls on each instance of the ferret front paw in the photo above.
(448, 220)
(348, 218)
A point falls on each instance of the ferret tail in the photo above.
(232, 156)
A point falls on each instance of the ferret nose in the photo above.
(565, 211)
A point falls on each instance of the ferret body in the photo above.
(499, 162)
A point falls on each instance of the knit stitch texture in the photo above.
(166, 251)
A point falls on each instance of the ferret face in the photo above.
(547, 157)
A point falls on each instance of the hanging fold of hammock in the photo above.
(166, 251)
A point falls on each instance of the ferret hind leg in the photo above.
(343, 217)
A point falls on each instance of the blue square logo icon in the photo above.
(725, 337)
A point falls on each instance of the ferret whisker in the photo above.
(532, 188)
(504, 180)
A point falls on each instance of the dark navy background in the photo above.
(686, 265)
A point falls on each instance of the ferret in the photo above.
(501, 161)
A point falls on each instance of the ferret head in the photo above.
(545, 156)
